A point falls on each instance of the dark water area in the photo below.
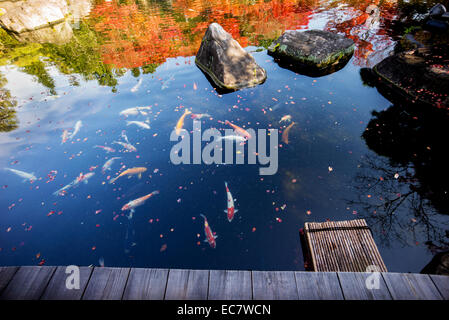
(352, 153)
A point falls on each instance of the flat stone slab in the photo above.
(417, 77)
(224, 60)
(313, 49)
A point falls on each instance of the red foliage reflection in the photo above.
(134, 34)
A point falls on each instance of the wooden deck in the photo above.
(346, 246)
(96, 283)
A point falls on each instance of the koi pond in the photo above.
(100, 95)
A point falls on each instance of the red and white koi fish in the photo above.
(107, 149)
(210, 237)
(240, 131)
(81, 178)
(200, 115)
(107, 165)
(137, 202)
(231, 209)
(64, 136)
(127, 146)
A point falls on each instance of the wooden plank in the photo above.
(408, 286)
(354, 287)
(230, 285)
(146, 284)
(28, 283)
(342, 246)
(106, 284)
(442, 284)
(318, 286)
(57, 290)
(274, 285)
(6, 274)
(187, 285)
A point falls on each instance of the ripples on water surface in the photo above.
(141, 53)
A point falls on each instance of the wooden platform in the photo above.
(346, 246)
(47, 283)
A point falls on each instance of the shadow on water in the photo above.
(297, 67)
(403, 190)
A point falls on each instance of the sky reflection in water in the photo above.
(315, 181)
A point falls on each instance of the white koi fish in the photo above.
(107, 165)
(166, 83)
(232, 138)
(50, 98)
(137, 86)
(137, 202)
(231, 209)
(134, 111)
(107, 149)
(81, 178)
(25, 175)
(64, 136)
(140, 124)
(78, 126)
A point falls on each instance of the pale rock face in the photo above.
(42, 21)
(30, 15)
(225, 61)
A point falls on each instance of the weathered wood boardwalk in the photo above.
(346, 246)
(96, 283)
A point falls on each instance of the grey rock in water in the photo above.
(315, 49)
(43, 21)
(224, 60)
(437, 10)
(26, 16)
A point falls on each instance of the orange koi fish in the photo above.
(180, 122)
(230, 210)
(130, 172)
(285, 133)
(137, 202)
(209, 234)
(240, 131)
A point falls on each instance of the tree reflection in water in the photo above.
(8, 118)
(403, 190)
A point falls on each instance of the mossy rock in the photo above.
(312, 50)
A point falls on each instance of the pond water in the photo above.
(141, 53)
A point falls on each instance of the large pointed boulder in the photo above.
(224, 60)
